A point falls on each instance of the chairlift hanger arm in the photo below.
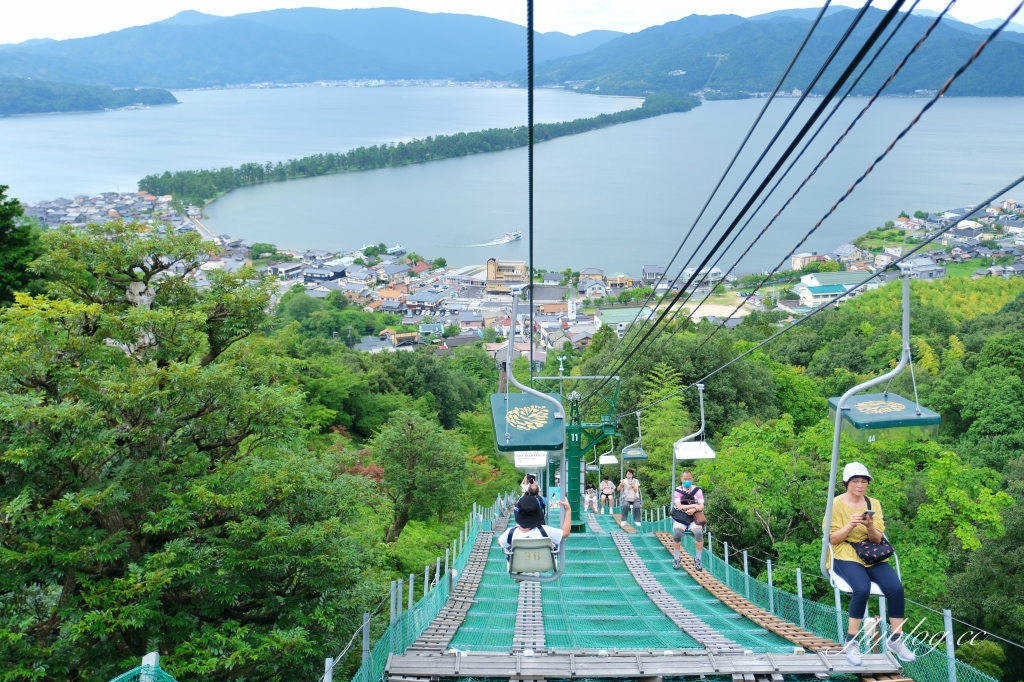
(834, 468)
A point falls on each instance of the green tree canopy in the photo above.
(154, 487)
(19, 245)
(424, 469)
(261, 249)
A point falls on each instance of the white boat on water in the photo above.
(513, 236)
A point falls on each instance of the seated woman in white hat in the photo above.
(857, 518)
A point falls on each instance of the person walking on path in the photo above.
(629, 498)
(856, 531)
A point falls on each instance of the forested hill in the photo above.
(23, 96)
(734, 56)
(200, 186)
(293, 46)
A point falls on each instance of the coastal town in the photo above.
(432, 303)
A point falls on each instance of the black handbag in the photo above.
(872, 553)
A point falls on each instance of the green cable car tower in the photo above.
(533, 421)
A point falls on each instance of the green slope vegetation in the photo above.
(23, 96)
(232, 484)
(198, 187)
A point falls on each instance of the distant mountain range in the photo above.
(731, 56)
(721, 55)
(193, 49)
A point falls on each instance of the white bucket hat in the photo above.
(855, 469)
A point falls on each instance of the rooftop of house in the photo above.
(623, 315)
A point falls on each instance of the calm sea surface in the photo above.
(51, 155)
(624, 196)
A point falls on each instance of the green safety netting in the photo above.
(825, 620)
(702, 603)
(491, 621)
(144, 673)
(598, 605)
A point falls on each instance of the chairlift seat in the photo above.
(533, 556)
(605, 460)
(633, 454)
(526, 422)
(687, 450)
(837, 582)
(840, 584)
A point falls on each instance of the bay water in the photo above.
(49, 155)
(625, 196)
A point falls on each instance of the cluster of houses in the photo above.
(961, 244)
(110, 206)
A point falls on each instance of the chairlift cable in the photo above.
(756, 163)
(817, 167)
(816, 114)
(881, 27)
(529, 154)
(874, 164)
(746, 138)
(827, 304)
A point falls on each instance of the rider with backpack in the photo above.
(688, 515)
(529, 517)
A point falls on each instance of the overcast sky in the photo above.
(62, 19)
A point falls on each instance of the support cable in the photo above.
(874, 164)
(746, 138)
(817, 167)
(827, 304)
(529, 154)
(829, 96)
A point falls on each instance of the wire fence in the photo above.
(405, 628)
(824, 620)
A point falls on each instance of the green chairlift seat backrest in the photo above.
(633, 453)
(869, 416)
(526, 422)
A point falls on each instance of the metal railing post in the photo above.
(392, 618)
(426, 579)
(437, 571)
(328, 669)
(446, 561)
(771, 589)
(412, 579)
(366, 636)
(947, 624)
(800, 595)
(401, 595)
(839, 618)
(746, 575)
(882, 623)
(725, 555)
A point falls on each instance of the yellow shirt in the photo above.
(841, 513)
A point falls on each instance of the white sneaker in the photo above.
(852, 649)
(622, 523)
(636, 523)
(902, 651)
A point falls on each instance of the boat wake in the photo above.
(509, 237)
(494, 242)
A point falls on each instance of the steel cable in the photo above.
(816, 114)
(913, 122)
(817, 167)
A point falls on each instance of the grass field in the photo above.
(967, 268)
